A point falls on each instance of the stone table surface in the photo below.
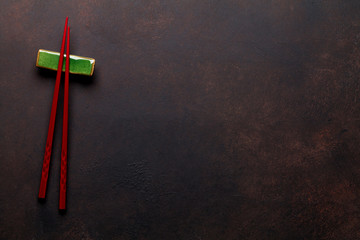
(205, 119)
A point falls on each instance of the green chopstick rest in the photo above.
(78, 65)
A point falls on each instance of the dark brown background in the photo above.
(205, 119)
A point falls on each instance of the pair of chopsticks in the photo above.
(49, 140)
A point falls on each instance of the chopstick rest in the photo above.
(78, 65)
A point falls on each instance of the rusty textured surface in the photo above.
(206, 119)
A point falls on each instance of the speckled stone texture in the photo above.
(205, 119)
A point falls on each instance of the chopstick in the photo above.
(63, 168)
(49, 140)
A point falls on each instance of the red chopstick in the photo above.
(63, 170)
(49, 140)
